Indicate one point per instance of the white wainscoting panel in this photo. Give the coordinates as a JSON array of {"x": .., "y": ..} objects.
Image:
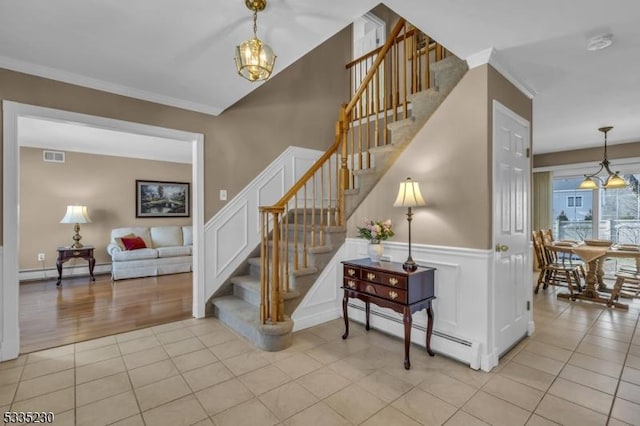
[
  {"x": 462, "y": 317},
  {"x": 233, "y": 233}
]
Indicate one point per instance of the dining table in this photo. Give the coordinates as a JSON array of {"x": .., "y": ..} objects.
[{"x": 594, "y": 256}]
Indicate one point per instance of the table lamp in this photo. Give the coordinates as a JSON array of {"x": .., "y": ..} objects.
[
  {"x": 409, "y": 196},
  {"x": 76, "y": 215}
]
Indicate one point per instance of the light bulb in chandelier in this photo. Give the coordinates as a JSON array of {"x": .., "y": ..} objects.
[{"x": 254, "y": 58}]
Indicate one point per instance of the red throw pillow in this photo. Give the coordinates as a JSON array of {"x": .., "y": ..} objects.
[{"x": 133, "y": 243}]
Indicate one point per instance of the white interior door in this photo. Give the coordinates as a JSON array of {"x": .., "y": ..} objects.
[{"x": 511, "y": 224}]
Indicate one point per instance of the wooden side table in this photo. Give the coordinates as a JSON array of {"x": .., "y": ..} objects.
[
  {"x": 66, "y": 253},
  {"x": 387, "y": 285}
]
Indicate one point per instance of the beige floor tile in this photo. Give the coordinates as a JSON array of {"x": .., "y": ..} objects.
[
  {"x": 626, "y": 411},
  {"x": 218, "y": 398},
  {"x": 587, "y": 362},
  {"x": 527, "y": 376},
  {"x": 135, "y": 334},
  {"x": 11, "y": 375},
  {"x": 329, "y": 331},
  {"x": 462, "y": 372},
  {"x": 351, "y": 368},
  {"x": 298, "y": 365},
  {"x": 95, "y": 343},
  {"x": 142, "y": 358},
  {"x": 620, "y": 335},
  {"x": 633, "y": 350},
  {"x": 318, "y": 414},
  {"x": 44, "y": 384},
  {"x": 205, "y": 422},
  {"x": 140, "y": 344},
  {"x": 96, "y": 355},
  {"x": 601, "y": 352},
  {"x": 7, "y": 392},
  {"x": 329, "y": 352},
  {"x": 536, "y": 420},
  {"x": 250, "y": 413},
  {"x": 460, "y": 418},
  {"x": 49, "y": 366},
  {"x": 208, "y": 375},
  {"x": 173, "y": 336},
  {"x": 632, "y": 361},
  {"x": 99, "y": 370},
  {"x": 495, "y": 410},
  {"x": 182, "y": 412},
  {"x": 616, "y": 422},
  {"x": 210, "y": 325},
  {"x": 287, "y": 400},
  {"x": 355, "y": 403},
  {"x": 245, "y": 362},
  {"x": 612, "y": 344},
  {"x": 161, "y": 392},
  {"x": 102, "y": 388},
  {"x": 107, "y": 411},
  {"x": 424, "y": 408},
  {"x": 589, "y": 378},
  {"x": 13, "y": 363},
  {"x": 629, "y": 391},
  {"x": 230, "y": 349},
  {"x": 447, "y": 388},
  {"x": 567, "y": 413},
  {"x": 582, "y": 395},
  {"x": 323, "y": 382},
  {"x": 56, "y": 402},
  {"x": 68, "y": 418},
  {"x": 170, "y": 326},
  {"x": 539, "y": 362},
  {"x": 264, "y": 379},
  {"x": 516, "y": 393},
  {"x": 181, "y": 347},
  {"x": 390, "y": 416},
  {"x": 386, "y": 387},
  {"x": 305, "y": 340},
  {"x": 549, "y": 351},
  {"x": 194, "y": 360},
  {"x": 217, "y": 337},
  {"x": 631, "y": 375},
  {"x": 130, "y": 421},
  {"x": 152, "y": 373},
  {"x": 50, "y": 353}
]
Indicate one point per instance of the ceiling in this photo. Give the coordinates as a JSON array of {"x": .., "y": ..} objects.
[{"x": 181, "y": 53}]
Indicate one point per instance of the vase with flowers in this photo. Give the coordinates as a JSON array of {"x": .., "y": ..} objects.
[{"x": 375, "y": 231}]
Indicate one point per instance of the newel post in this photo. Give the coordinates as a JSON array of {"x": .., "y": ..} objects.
[{"x": 342, "y": 130}]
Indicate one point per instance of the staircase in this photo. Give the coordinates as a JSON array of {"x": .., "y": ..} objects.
[{"x": 303, "y": 231}]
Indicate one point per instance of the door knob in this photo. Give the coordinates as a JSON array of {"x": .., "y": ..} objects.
[{"x": 501, "y": 247}]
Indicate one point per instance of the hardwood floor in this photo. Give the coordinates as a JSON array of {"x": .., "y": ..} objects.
[{"x": 80, "y": 310}]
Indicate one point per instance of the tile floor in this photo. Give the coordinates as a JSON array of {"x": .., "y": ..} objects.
[{"x": 581, "y": 367}]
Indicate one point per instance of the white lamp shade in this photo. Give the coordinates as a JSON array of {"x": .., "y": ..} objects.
[
  {"x": 409, "y": 195},
  {"x": 76, "y": 214}
]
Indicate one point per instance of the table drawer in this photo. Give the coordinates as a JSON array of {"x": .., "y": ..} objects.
[
  {"x": 351, "y": 272},
  {"x": 382, "y": 291},
  {"x": 69, "y": 254}
]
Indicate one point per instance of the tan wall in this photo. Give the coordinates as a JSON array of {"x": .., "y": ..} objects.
[
  {"x": 626, "y": 150},
  {"x": 105, "y": 184},
  {"x": 451, "y": 158},
  {"x": 299, "y": 106}
]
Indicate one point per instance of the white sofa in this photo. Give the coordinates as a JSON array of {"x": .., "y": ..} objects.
[{"x": 169, "y": 251}]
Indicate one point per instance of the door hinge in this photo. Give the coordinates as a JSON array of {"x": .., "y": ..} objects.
[
  {"x": 528, "y": 305},
  {"x": 528, "y": 152}
]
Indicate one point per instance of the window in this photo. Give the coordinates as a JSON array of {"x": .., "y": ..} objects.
[{"x": 574, "y": 201}]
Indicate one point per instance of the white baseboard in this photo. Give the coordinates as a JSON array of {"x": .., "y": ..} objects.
[{"x": 67, "y": 271}]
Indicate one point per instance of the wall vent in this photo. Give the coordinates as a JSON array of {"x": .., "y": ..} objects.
[{"x": 53, "y": 156}]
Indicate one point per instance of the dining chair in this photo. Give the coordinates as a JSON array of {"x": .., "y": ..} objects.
[
  {"x": 627, "y": 285},
  {"x": 566, "y": 259},
  {"x": 551, "y": 271}
]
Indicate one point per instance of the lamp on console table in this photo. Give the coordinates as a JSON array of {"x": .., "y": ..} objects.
[
  {"x": 409, "y": 196},
  {"x": 76, "y": 215}
]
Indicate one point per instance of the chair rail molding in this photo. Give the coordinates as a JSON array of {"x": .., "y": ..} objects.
[
  {"x": 234, "y": 232},
  {"x": 462, "y": 328}
]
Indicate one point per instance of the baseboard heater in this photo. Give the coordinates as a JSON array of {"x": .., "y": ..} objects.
[{"x": 416, "y": 326}]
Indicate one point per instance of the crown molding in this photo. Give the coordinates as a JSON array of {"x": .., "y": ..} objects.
[
  {"x": 105, "y": 86},
  {"x": 490, "y": 56}
]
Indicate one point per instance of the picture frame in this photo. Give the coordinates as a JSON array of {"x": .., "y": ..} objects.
[{"x": 162, "y": 199}]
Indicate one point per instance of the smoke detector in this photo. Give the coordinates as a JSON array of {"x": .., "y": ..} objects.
[{"x": 599, "y": 42}]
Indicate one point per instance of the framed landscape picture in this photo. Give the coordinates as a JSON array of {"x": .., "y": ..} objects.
[{"x": 162, "y": 199}]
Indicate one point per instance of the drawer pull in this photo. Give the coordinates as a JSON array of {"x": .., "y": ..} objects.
[
  {"x": 351, "y": 272},
  {"x": 393, "y": 295},
  {"x": 351, "y": 284},
  {"x": 76, "y": 253},
  {"x": 371, "y": 276},
  {"x": 393, "y": 281}
]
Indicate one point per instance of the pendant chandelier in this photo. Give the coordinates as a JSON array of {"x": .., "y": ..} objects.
[
  {"x": 613, "y": 180},
  {"x": 255, "y": 59}
]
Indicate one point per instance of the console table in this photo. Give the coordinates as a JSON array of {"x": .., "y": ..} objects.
[
  {"x": 66, "y": 253},
  {"x": 387, "y": 285}
]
